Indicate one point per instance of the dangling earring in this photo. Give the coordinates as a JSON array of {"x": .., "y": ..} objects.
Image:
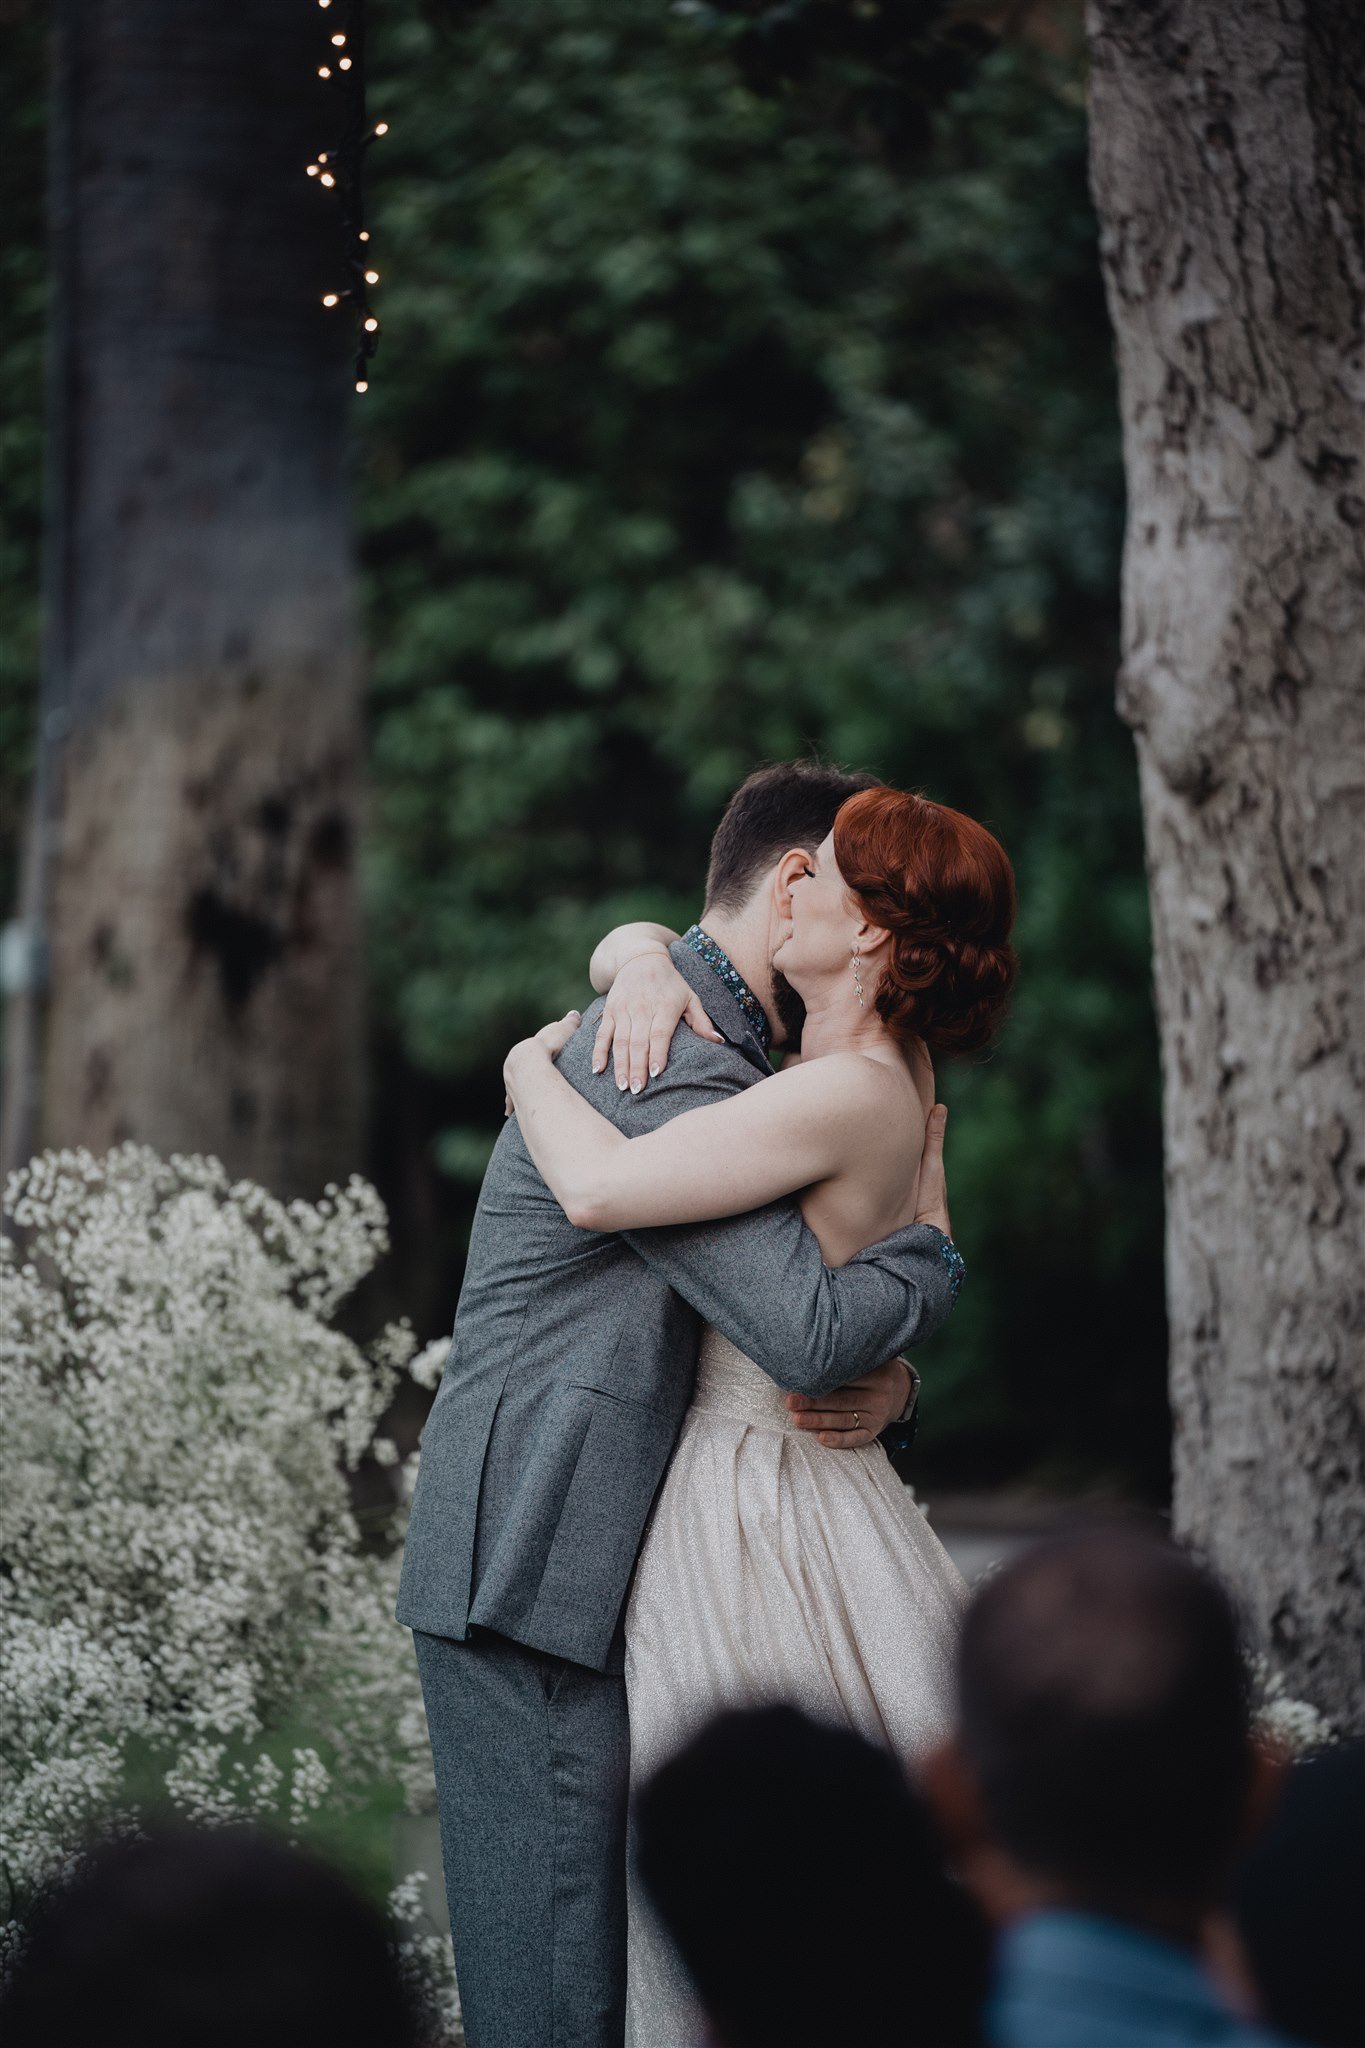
[{"x": 858, "y": 979}]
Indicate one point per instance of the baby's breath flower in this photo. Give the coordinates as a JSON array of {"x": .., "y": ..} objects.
[
  {"x": 1286, "y": 1723},
  {"x": 180, "y": 1567}
]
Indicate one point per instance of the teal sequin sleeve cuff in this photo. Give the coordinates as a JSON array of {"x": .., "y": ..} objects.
[{"x": 954, "y": 1261}]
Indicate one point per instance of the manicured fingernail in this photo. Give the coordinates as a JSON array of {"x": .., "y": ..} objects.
[
  {"x": 636, "y": 1086},
  {"x": 654, "y": 1073},
  {"x": 599, "y": 1066},
  {"x": 623, "y": 1085}
]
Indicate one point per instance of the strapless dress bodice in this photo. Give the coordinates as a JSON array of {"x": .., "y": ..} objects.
[{"x": 731, "y": 1385}]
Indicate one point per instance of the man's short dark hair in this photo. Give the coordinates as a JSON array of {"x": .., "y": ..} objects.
[
  {"x": 786, "y": 804},
  {"x": 769, "y": 1825},
  {"x": 1104, "y": 1712}
]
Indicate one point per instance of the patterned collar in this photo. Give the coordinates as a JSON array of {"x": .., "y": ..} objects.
[{"x": 716, "y": 958}]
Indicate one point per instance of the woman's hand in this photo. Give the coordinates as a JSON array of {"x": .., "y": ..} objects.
[
  {"x": 645, "y": 1005},
  {"x": 922, "y": 1074},
  {"x": 547, "y": 1044}
]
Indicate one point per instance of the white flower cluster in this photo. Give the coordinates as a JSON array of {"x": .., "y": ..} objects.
[
  {"x": 427, "y": 1964},
  {"x": 181, "y": 1573},
  {"x": 1287, "y": 1724}
]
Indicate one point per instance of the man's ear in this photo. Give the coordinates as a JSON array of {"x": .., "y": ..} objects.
[
  {"x": 948, "y": 1783},
  {"x": 792, "y": 865},
  {"x": 1265, "y": 1783},
  {"x": 950, "y": 1787}
]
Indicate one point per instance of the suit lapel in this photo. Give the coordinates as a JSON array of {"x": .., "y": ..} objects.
[{"x": 719, "y": 1005}]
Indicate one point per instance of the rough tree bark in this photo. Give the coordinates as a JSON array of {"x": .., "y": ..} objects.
[
  {"x": 202, "y": 693},
  {"x": 1228, "y": 166}
]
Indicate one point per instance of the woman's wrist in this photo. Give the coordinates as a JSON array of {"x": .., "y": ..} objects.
[
  {"x": 637, "y": 950},
  {"x": 522, "y": 1061},
  {"x": 625, "y": 942}
]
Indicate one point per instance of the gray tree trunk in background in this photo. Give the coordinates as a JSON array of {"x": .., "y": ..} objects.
[
  {"x": 201, "y": 713},
  {"x": 1228, "y": 165}
]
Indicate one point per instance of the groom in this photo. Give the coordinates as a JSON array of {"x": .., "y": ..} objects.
[{"x": 571, "y": 1365}]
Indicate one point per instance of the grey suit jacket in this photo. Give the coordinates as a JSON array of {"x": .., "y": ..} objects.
[{"x": 574, "y": 1354}]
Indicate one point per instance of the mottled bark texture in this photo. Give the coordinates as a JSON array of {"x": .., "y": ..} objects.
[
  {"x": 204, "y": 937},
  {"x": 1228, "y": 164}
]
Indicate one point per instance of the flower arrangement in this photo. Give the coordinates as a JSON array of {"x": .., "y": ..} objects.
[{"x": 181, "y": 1570}]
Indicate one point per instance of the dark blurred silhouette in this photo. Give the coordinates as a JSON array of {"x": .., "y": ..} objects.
[
  {"x": 206, "y": 1939},
  {"x": 1101, "y": 1783},
  {"x": 802, "y": 1882},
  {"x": 1298, "y": 1902}
]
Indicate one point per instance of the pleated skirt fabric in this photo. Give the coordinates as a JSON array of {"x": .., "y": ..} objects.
[{"x": 775, "y": 1568}]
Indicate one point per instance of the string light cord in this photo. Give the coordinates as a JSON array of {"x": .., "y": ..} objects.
[{"x": 342, "y": 170}]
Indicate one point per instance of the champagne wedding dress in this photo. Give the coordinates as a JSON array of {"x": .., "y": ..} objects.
[{"x": 775, "y": 1568}]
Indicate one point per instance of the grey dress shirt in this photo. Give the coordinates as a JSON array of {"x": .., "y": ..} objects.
[{"x": 574, "y": 1354}]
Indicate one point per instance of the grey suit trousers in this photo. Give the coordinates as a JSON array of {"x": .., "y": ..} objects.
[{"x": 532, "y": 1759}]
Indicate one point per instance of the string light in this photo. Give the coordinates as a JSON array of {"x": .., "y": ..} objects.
[{"x": 340, "y": 169}]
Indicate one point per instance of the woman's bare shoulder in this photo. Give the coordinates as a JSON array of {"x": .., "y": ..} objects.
[{"x": 852, "y": 1083}]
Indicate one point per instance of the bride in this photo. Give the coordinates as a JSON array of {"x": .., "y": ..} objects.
[{"x": 773, "y": 1567}]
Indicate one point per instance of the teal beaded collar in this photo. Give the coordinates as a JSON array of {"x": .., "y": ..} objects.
[{"x": 716, "y": 958}]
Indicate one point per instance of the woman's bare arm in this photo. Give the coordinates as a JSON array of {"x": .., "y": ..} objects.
[
  {"x": 721, "y": 1160},
  {"x": 647, "y": 999},
  {"x": 626, "y": 942}
]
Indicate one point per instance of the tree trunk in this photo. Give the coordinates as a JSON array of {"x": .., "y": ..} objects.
[
  {"x": 202, "y": 688},
  {"x": 1228, "y": 164}
]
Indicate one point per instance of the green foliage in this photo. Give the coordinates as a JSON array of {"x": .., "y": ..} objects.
[{"x": 747, "y": 388}]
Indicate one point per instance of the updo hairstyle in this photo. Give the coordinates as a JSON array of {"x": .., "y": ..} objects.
[{"x": 943, "y": 887}]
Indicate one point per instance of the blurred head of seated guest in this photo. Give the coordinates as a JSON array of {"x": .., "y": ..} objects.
[
  {"x": 802, "y": 1883},
  {"x": 1298, "y": 1903},
  {"x": 1100, "y": 1786},
  {"x": 205, "y": 1939}
]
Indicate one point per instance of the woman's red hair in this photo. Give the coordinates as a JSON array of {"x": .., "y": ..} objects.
[{"x": 942, "y": 885}]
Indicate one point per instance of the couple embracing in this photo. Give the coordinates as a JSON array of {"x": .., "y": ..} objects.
[{"x": 655, "y": 1481}]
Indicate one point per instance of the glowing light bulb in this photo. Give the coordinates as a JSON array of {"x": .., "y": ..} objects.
[
  {"x": 371, "y": 277},
  {"x": 338, "y": 40},
  {"x": 327, "y": 178},
  {"x": 361, "y": 384},
  {"x": 345, "y": 64},
  {"x": 381, "y": 127},
  {"x": 324, "y": 3},
  {"x": 324, "y": 71},
  {"x": 312, "y": 170},
  {"x": 329, "y": 298},
  {"x": 371, "y": 325}
]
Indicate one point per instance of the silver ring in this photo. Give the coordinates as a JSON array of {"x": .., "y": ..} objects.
[{"x": 856, "y": 1413}]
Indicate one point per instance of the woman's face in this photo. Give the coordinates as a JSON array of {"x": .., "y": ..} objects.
[{"x": 824, "y": 921}]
